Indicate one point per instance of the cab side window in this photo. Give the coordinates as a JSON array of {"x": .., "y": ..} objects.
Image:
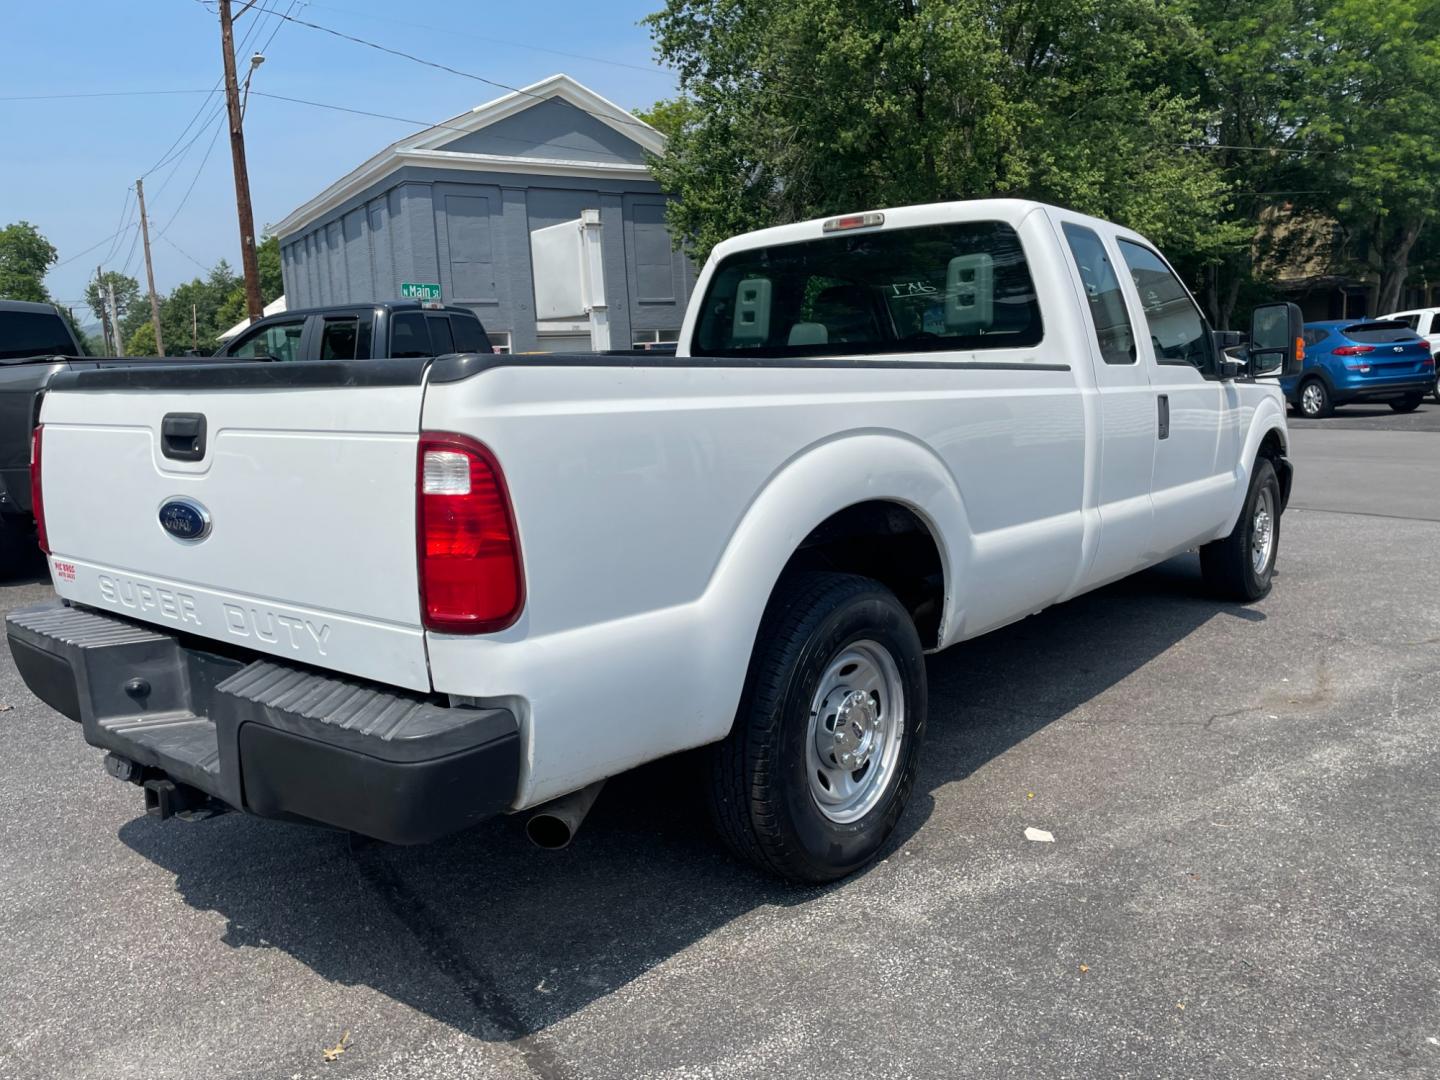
[
  {"x": 1102, "y": 291},
  {"x": 278, "y": 341},
  {"x": 1177, "y": 330},
  {"x": 345, "y": 338},
  {"x": 409, "y": 335}
]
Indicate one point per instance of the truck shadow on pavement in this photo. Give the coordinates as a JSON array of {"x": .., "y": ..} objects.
[{"x": 500, "y": 940}]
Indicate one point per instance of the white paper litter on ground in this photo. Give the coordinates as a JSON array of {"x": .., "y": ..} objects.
[{"x": 1039, "y": 835}]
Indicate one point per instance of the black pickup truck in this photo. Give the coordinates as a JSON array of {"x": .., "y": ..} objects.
[{"x": 36, "y": 344}]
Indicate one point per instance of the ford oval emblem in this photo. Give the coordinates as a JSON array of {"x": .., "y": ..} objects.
[{"x": 185, "y": 519}]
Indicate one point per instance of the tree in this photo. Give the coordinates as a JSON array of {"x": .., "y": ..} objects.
[
  {"x": 25, "y": 258},
  {"x": 808, "y": 107},
  {"x": 127, "y": 296},
  {"x": 141, "y": 341},
  {"x": 1375, "y": 108},
  {"x": 272, "y": 285},
  {"x": 669, "y": 115}
]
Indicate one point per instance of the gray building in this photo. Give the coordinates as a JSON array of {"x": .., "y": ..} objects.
[{"x": 457, "y": 204}]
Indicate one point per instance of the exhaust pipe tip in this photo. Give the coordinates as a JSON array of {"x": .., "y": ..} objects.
[
  {"x": 549, "y": 831},
  {"x": 555, "y": 824}
]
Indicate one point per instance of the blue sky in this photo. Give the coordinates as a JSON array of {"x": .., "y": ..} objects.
[{"x": 65, "y": 163}]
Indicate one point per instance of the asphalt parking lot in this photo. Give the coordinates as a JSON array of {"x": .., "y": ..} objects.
[{"x": 1245, "y": 878}]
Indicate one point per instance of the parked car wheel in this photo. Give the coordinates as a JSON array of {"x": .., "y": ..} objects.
[
  {"x": 1435, "y": 390},
  {"x": 1315, "y": 403},
  {"x": 1408, "y": 404},
  {"x": 1241, "y": 566},
  {"x": 820, "y": 763}
]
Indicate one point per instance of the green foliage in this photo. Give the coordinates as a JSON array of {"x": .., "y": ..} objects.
[
  {"x": 1196, "y": 122},
  {"x": 140, "y": 341},
  {"x": 809, "y": 107},
  {"x": 25, "y": 258},
  {"x": 127, "y": 294},
  {"x": 272, "y": 286},
  {"x": 670, "y": 115}
]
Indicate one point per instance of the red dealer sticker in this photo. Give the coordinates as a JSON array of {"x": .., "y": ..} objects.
[{"x": 65, "y": 571}]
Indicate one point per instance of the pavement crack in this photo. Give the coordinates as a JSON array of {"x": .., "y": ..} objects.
[{"x": 448, "y": 956}]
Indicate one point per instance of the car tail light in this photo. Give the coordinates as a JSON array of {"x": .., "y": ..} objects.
[
  {"x": 37, "y": 497},
  {"x": 1352, "y": 350},
  {"x": 471, "y": 580},
  {"x": 1361, "y": 367}
]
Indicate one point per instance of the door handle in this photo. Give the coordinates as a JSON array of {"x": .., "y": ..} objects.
[
  {"x": 1164, "y": 404},
  {"x": 182, "y": 436}
]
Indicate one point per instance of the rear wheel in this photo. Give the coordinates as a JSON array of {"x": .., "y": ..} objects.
[
  {"x": 1435, "y": 390},
  {"x": 1408, "y": 404},
  {"x": 19, "y": 553},
  {"x": 821, "y": 761},
  {"x": 1315, "y": 402},
  {"x": 1241, "y": 566}
]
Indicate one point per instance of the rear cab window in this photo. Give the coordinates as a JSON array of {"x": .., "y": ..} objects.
[
  {"x": 962, "y": 286},
  {"x": 33, "y": 333}
]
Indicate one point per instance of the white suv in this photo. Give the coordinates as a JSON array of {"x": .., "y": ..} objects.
[{"x": 1426, "y": 323}]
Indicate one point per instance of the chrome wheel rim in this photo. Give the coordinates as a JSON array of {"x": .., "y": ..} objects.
[
  {"x": 857, "y": 723},
  {"x": 1262, "y": 532},
  {"x": 1312, "y": 398}
]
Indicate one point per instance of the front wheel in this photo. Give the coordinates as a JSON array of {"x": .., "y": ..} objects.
[
  {"x": 1407, "y": 404},
  {"x": 1435, "y": 390},
  {"x": 817, "y": 770},
  {"x": 1240, "y": 566}
]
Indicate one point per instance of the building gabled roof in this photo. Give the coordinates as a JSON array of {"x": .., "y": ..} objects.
[{"x": 427, "y": 147}]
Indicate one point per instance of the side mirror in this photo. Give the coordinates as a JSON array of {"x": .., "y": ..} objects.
[{"x": 1277, "y": 340}]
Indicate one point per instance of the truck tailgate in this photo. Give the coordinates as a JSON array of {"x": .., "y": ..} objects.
[{"x": 310, "y": 498}]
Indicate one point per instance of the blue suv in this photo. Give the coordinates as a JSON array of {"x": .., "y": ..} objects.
[{"x": 1348, "y": 360}]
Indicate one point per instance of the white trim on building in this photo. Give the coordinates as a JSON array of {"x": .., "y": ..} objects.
[{"x": 421, "y": 148}]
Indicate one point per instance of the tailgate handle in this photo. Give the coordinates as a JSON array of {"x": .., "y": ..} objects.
[{"x": 182, "y": 436}]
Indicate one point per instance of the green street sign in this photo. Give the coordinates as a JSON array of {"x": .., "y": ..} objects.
[{"x": 413, "y": 290}]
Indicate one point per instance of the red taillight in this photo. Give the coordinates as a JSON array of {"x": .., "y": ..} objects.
[
  {"x": 1352, "y": 350},
  {"x": 37, "y": 497},
  {"x": 471, "y": 580}
]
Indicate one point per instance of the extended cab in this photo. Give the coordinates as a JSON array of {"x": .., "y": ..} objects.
[
  {"x": 399, "y": 596},
  {"x": 385, "y": 329}
]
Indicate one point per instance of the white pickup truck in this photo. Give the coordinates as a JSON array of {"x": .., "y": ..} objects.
[{"x": 399, "y": 596}]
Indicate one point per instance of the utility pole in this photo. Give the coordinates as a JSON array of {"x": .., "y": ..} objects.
[
  {"x": 149, "y": 270},
  {"x": 104, "y": 310},
  {"x": 248, "y": 261},
  {"x": 114, "y": 323},
  {"x": 195, "y": 328}
]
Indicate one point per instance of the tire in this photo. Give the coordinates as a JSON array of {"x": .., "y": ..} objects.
[
  {"x": 762, "y": 797},
  {"x": 19, "y": 550},
  {"x": 1229, "y": 565},
  {"x": 1435, "y": 390},
  {"x": 1313, "y": 400},
  {"x": 1407, "y": 404}
]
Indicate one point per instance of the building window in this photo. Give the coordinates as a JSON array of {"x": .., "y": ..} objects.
[
  {"x": 499, "y": 341},
  {"x": 646, "y": 339}
]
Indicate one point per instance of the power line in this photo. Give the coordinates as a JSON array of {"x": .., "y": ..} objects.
[
  {"x": 451, "y": 32},
  {"x": 194, "y": 180},
  {"x": 98, "y": 94},
  {"x": 82, "y": 254},
  {"x": 187, "y": 255},
  {"x": 440, "y": 126},
  {"x": 634, "y": 122}
]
